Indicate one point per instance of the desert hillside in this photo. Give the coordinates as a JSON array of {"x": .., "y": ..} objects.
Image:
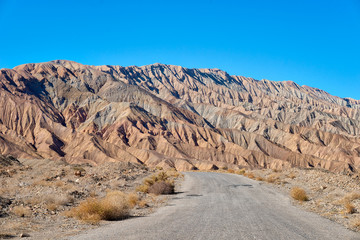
[{"x": 170, "y": 116}]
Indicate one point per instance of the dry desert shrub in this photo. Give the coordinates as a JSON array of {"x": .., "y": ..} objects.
[
  {"x": 89, "y": 211},
  {"x": 21, "y": 211},
  {"x": 54, "y": 202},
  {"x": 352, "y": 196},
  {"x": 172, "y": 172},
  {"x": 298, "y": 194},
  {"x": 133, "y": 199},
  {"x": 115, "y": 205},
  {"x": 291, "y": 175},
  {"x": 259, "y": 179},
  {"x": 52, "y": 206},
  {"x": 161, "y": 176},
  {"x": 161, "y": 187},
  {"x": 60, "y": 200},
  {"x": 157, "y": 184},
  {"x": 93, "y": 194},
  {"x": 231, "y": 170},
  {"x": 59, "y": 183},
  {"x": 143, "y": 188},
  {"x": 241, "y": 171},
  {"x": 272, "y": 178},
  {"x": 249, "y": 175},
  {"x": 356, "y": 223},
  {"x": 346, "y": 200},
  {"x": 349, "y": 208},
  {"x": 142, "y": 203}
]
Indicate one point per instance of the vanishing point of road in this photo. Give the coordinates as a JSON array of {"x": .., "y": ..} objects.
[{"x": 224, "y": 206}]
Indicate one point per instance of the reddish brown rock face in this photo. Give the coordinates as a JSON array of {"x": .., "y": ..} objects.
[{"x": 170, "y": 116}]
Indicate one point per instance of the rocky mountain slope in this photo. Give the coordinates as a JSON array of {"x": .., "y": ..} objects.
[{"x": 170, "y": 116}]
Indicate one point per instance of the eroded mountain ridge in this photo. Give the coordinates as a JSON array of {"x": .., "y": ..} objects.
[{"x": 170, "y": 116}]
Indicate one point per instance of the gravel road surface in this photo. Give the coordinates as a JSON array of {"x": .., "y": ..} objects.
[{"x": 224, "y": 206}]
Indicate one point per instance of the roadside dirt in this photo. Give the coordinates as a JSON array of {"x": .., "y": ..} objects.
[
  {"x": 331, "y": 195},
  {"x": 35, "y": 195}
]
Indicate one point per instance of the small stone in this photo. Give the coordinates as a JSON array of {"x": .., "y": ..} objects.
[{"x": 24, "y": 235}]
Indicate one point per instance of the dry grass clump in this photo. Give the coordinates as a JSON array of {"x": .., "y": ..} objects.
[
  {"x": 299, "y": 194},
  {"x": 356, "y": 223},
  {"x": 349, "y": 208},
  {"x": 115, "y": 205},
  {"x": 272, "y": 178},
  {"x": 133, "y": 199},
  {"x": 93, "y": 194},
  {"x": 60, "y": 200},
  {"x": 21, "y": 211},
  {"x": 157, "y": 184},
  {"x": 59, "y": 183},
  {"x": 249, "y": 175},
  {"x": 259, "y": 179},
  {"x": 231, "y": 170},
  {"x": 143, "y": 188},
  {"x": 291, "y": 175},
  {"x": 241, "y": 171},
  {"x": 346, "y": 201},
  {"x": 52, "y": 206},
  {"x": 142, "y": 203},
  {"x": 352, "y": 196},
  {"x": 53, "y": 202},
  {"x": 89, "y": 211},
  {"x": 172, "y": 172}
]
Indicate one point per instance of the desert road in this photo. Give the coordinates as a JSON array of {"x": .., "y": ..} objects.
[{"x": 224, "y": 206}]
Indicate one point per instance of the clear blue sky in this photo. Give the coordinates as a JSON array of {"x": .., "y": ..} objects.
[{"x": 311, "y": 42}]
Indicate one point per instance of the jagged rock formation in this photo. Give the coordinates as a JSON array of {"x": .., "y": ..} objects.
[{"x": 171, "y": 116}]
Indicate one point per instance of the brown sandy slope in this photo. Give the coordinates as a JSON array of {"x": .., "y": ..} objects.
[{"x": 170, "y": 116}]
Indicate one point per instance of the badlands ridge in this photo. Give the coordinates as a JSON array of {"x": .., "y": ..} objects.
[{"x": 170, "y": 116}]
